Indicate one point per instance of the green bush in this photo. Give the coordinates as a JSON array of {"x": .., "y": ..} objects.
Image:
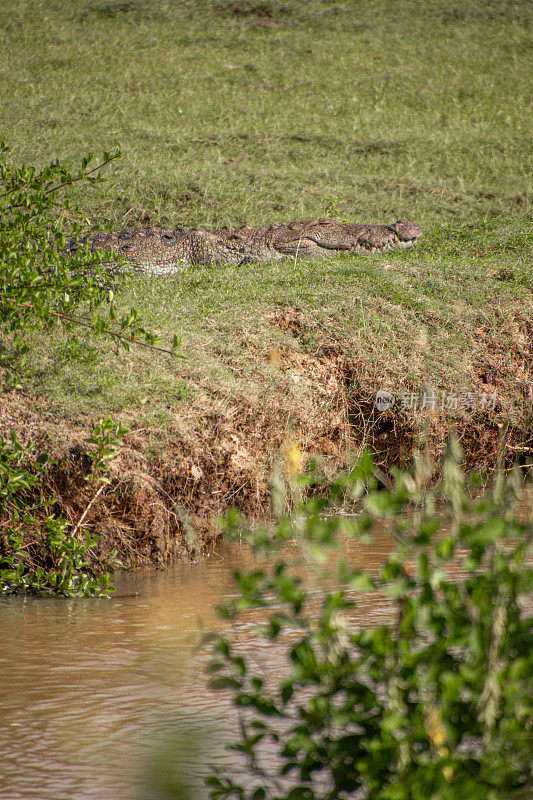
[
  {"x": 43, "y": 285},
  {"x": 39, "y": 551},
  {"x": 432, "y": 705}
]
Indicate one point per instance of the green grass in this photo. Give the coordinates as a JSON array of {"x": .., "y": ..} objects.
[
  {"x": 232, "y": 112},
  {"x": 378, "y": 308},
  {"x": 398, "y": 109}
]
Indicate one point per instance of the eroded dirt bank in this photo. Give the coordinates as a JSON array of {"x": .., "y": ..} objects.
[{"x": 167, "y": 485}]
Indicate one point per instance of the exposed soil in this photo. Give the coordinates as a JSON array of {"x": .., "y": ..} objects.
[{"x": 167, "y": 486}]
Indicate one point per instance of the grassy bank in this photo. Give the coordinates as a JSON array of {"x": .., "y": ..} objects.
[{"x": 231, "y": 112}]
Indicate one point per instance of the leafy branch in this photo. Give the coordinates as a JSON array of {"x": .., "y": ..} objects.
[
  {"x": 69, "y": 180},
  {"x": 98, "y": 326},
  {"x": 42, "y": 283}
]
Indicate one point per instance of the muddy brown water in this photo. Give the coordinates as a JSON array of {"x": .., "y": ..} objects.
[{"x": 104, "y": 700}]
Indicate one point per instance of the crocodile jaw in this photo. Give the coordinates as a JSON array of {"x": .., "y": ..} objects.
[{"x": 367, "y": 249}]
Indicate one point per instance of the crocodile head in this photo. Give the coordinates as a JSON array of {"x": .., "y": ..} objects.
[
  {"x": 315, "y": 237},
  {"x": 405, "y": 233},
  {"x": 381, "y": 238}
]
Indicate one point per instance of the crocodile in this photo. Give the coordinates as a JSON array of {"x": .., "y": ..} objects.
[{"x": 164, "y": 250}]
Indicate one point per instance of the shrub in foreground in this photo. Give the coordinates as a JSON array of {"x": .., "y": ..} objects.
[{"x": 433, "y": 704}]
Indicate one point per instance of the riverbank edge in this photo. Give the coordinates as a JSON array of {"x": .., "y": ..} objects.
[{"x": 167, "y": 486}]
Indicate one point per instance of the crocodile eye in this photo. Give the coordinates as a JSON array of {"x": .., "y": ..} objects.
[
  {"x": 166, "y": 238},
  {"x": 125, "y": 234},
  {"x": 126, "y": 248}
]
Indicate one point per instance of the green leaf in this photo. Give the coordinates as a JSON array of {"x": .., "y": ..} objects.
[
  {"x": 224, "y": 682},
  {"x": 361, "y": 581},
  {"x": 445, "y": 548}
]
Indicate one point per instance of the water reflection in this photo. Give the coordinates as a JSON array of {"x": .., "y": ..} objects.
[{"x": 91, "y": 690}]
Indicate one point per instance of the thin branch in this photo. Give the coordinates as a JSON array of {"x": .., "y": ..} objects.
[
  {"x": 81, "y": 321},
  {"x": 60, "y": 185},
  {"x": 88, "y": 508}
]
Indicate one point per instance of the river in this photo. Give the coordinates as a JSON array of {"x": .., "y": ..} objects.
[{"x": 104, "y": 699}]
